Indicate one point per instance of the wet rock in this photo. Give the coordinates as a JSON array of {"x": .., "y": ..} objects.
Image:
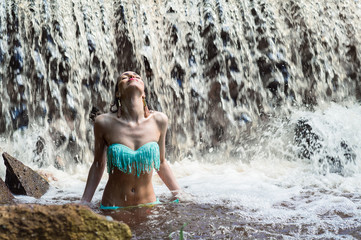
[
  {"x": 2, "y": 53},
  {"x": 58, "y": 137},
  {"x": 39, "y": 152},
  {"x": 2, "y": 120},
  {"x": 174, "y": 34},
  {"x": 225, "y": 36},
  {"x": 273, "y": 86},
  {"x": 17, "y": 59},
  {"x": 57, "y": 222},
  {"x": 148, "y": 69},
  {"x": 171, "y": 10},
  {"x": 91, "y": 43},
  {"x": 306, "y": 139},
  {"x": 59, "y": 163},
  {"x": 19, "y": 116},
  {"x": 311, "y": 144},
  {"x": 5, "y": 195},
  {"x": 349, "y": 154},
  {"x": 178, "y": 74},
  {"x": 22, "y": 180},
  {"x": 40, "y": 145}
]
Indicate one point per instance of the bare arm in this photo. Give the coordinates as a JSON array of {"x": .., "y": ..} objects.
[
  {"x": 165, "y": 173},
  {"x": 97, "y": 168}
]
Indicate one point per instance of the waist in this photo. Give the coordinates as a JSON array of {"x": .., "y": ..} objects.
[
  {"x": 131, "y": 206},
  {"x": 139, "y": 205},
  {"x": 124, "y": 189}
]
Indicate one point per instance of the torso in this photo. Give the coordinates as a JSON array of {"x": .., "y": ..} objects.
[{"x": 124, "y": 189}]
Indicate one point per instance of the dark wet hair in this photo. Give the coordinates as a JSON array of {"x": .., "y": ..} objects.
[{"x": 116, "y": 101}]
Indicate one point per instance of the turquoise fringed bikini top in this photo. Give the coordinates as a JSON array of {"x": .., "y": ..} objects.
[{"x": 143, "y": 160}]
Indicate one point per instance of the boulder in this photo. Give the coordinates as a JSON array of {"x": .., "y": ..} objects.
[
  {"x": 5, "y": 195},
  {"x": 311, "y": 144},
  {"x": 30, "y": 221},
  {"x": 306, "y": 139},
  {"x": 22, "y": 180}
]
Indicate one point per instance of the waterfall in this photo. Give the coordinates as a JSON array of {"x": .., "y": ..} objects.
[{"x": 218, "y": 69}]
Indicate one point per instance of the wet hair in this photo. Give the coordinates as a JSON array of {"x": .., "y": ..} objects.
[
  {"x": 94, "y": 113},
  {"x": 115, "y": 105},
  {"x": 115, "y": 100}
]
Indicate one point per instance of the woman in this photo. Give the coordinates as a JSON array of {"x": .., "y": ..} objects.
[{"x": 131, "y": 140}]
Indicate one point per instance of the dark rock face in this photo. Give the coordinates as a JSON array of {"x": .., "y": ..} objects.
[
  {"x": 57, "y": 222},
  {"x": 306, "y": 139},
  {"x": 311, "y": 144},
  {"x": 5, "y": 195},
  {"x": 22, "y": 180}
]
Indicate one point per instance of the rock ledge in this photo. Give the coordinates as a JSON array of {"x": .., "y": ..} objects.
[{"x": 30, "y": 221}]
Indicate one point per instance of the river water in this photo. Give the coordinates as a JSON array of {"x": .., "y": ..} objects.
[
  {"x": 236, "y": 79},
  {"x": 264, "y": 190}
]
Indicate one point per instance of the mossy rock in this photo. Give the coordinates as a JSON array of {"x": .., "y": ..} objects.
[{"x": 30, "y": 221}]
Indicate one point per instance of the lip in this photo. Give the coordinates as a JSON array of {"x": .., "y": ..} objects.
[{"x": 132, "y": 79}]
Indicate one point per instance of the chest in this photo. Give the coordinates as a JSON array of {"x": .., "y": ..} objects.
[{"x": 133, "y": 135}]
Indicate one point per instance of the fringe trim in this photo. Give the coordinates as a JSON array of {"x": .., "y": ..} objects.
[{"x": 143, "y": 160}]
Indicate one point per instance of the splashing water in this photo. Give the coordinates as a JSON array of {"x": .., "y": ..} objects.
[
  {"x": 264, "y": 190},
  {"x": 233, "y": 78}
]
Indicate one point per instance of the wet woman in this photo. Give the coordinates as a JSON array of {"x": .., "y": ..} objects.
[{"x": 130, "y": 140}]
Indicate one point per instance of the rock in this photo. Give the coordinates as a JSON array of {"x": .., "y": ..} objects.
[
  {"x": 29, "y": 221},
  {"x": 306, "y": 139},
  {"x": 312, "y": 145},
  {"x": 40, "y": 145},
  {"x": 5, "y": 195},
  {"x": 22, "y": 180}
]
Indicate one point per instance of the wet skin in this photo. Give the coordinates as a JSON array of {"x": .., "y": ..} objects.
[
  {"x": 125, "y": 189},
  {"x": 132, "y": 129}
]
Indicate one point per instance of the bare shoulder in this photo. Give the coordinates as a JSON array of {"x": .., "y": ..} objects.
[
  {"x": 160, "y": 118},
  {"x": 102, "y": 120}
]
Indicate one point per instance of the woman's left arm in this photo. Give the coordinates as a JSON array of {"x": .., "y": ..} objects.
[{"x": 165, "y": 172}]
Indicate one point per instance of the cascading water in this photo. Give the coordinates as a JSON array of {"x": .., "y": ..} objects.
[{"x": 230, "y": 75}]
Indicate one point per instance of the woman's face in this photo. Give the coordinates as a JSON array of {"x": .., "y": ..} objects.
[{"x": 129, "y": 80}]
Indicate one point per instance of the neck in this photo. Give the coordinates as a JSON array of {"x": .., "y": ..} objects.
[{"x": 132, "y": 108}]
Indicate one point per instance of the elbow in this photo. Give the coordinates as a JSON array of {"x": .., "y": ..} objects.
[
  {"x": 162, "y": 164},
  {"x": 99, "y": 165}
]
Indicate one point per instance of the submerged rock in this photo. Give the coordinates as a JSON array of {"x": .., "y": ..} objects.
[
  {"x": 57, "y": 222},
  {"x": 22, "y": 180},
  {"x": 5, "y": 195}
]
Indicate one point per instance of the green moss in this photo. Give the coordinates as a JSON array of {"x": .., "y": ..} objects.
[{"x": 57, "y": 222}]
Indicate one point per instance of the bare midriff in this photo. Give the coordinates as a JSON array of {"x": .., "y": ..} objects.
[{"x": 124, "y": 189}]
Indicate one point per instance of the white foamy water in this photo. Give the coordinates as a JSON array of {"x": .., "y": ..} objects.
[{"x": 266, "y": 182}]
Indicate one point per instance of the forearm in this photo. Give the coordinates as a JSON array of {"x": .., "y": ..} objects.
[
  {"x": 167, "y": 176},
  {"x": 94, "y": 176}
]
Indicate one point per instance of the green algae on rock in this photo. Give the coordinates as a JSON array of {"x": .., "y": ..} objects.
[{"x": 30, "y": 221}]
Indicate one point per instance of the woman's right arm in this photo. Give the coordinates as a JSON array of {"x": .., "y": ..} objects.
[{"x": 97, "y": 168}]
